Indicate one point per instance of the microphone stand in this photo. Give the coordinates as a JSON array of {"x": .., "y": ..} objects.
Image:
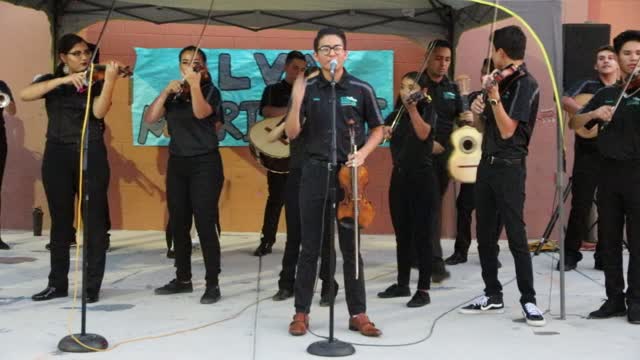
[
  {"x": 84, "y": 342},
  {"x": 332, "y": 347}
]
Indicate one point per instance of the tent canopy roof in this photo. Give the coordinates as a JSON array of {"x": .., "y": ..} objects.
[{"x": 420, "y": 20}]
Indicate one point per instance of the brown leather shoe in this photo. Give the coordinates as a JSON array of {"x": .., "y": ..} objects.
[
  {"x": 299, "y": 325},
  {"x": 362, "y": 324}
]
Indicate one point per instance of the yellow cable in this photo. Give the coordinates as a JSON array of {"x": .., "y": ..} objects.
[{"x": 546, "y": 60}]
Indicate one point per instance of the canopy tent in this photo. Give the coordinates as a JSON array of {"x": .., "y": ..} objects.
[{"x": 421, "y": 20}]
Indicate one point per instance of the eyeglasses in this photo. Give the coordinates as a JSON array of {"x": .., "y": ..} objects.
[
  {"x": 326, "y": 49},
  {"x": 79, "y": 52}
]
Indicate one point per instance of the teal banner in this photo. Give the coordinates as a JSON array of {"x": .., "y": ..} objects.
[{"x": 241, "y": 76}]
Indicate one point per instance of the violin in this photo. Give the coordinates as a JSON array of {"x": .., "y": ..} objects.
[
  {"x": 355, "y": 204},
  {"x": 185, "y": 91},
  {"x": 99, "y": 71},
  {"x": 498, "y": 76}
]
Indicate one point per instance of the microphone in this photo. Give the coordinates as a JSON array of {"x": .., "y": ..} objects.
[{"x": 332, "y": 66}]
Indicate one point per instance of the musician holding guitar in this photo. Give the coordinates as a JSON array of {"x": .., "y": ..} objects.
[
  {"x": 586, "y": 164},
  {"x": 508, "y": 119},
  {"x": 274, "y": 103}
]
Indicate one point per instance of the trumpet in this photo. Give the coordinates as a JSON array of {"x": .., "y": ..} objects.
[{"x": 5, "y": 100}]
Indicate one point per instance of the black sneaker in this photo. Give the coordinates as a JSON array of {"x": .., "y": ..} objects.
[
  {"x": 484, "y": 305},
  {"x": 419, "y": 299},
  {"x": 4, "y": 246},
  {"x": 533, "y": 315},
  {"x": 175, "y": 287},
  {"x": 93, "y": 297},
  {"x": 282, "y": 294},
  {"x": 598, "y": 264},
  {"x": 395, "y": 290},
  {"x": 211, "y": 295},
  {"x": 609, "y": 309},
  {"x": 171, "y": 254},
  {"x": 456, "y": 258},
  {"x": 633, "y": 313},
  {"x": 263, "y": 249},
  {"x": 325, "y": 299}
]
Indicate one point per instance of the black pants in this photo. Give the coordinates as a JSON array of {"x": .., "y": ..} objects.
[
  {"x": 441, "y": 184},
  {"x": 619, "y": 199},
  {"x": 60, "y": 170},
  {"x": 294, "y": 235},
  {"x": 277, "y": 185},
  {"x": 465, "y": 204},
  {"x": 500, "y": 189},
  {"x": 313, "y": 199},
  {"x": 410, "y": 194},
  {"x": 193, "y": 189},
  {"x": 586, "y": 169},
  {"x": 3, "y": 154}
]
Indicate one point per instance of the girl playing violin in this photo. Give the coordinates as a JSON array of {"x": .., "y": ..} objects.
[
  {"x": 65, "y": 94},
  {"x": 412, "y": 189},
  {"x": 193, "y": 109}
]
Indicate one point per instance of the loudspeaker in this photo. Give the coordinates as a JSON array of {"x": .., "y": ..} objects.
[{"x": 581, "y": 42}]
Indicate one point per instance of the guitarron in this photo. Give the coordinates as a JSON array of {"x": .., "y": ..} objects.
[{"x": 271, "y": 150}]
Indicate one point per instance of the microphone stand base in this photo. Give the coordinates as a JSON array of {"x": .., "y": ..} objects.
[
  {"x": 331, "y": 348},
  {"x": 95, "y": 341}
]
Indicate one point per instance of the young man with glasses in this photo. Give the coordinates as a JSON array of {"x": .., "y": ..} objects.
[{"x": 311, "y": 101}]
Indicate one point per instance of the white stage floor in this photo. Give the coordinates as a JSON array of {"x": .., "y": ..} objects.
[{"x": 235, "y": 328}]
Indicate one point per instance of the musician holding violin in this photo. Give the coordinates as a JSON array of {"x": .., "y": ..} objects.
[
  {"x": 586, "y": 163},
  {"x": 193, "y": 109},
  {"x": 310, "y": 117},
  {"x": 65, "y": 94},
  {"x": 507, "y": 114},
  {"x": 616, "y": 110},
  {"x": 412, "y": 189}
]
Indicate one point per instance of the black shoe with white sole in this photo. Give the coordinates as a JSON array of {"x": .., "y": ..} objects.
[
  {"x": 533, "y": 315},
  {"x": 484, "y": 305}
]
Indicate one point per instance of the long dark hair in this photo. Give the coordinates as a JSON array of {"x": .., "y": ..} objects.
[{"x": 65, "y": 44}]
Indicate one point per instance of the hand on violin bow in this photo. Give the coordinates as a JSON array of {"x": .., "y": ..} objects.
[
  {"x": 174, "y": 87},
  {"x": 477, "y": 106},
  {"x": 75, "y": 79},
  {"x": 386, "y": 132},
  {"x": 356, "y": 159}
]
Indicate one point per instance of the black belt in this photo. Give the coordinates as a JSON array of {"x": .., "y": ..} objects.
[{"x": 492, "y": 160}]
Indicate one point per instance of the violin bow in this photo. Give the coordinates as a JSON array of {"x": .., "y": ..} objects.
[{"x": 636, "y": 71}]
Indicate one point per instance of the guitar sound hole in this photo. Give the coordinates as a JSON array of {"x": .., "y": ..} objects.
[{"x": 468, "y": 145}]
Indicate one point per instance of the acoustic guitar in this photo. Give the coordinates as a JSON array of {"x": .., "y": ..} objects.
[
  {"x": 467, "y": 141},
  {"x": 269, "y": 144},
  {"x": 583, "y": 132},
  {"x": 465, "y": 157}
]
